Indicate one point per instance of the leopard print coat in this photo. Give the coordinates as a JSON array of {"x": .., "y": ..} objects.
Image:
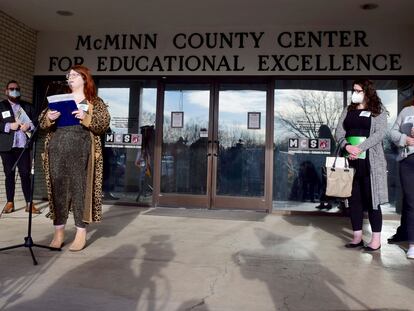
[{"x": 97, "y": 122}]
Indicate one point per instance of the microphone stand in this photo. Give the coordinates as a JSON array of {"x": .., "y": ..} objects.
[{"x": 28, "y": 241}]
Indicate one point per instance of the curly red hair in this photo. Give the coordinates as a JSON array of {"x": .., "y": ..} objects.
[{"x": 89, "y": 87}]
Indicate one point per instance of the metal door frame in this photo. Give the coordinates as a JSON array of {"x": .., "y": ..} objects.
[{"x": 211, "y": 200}]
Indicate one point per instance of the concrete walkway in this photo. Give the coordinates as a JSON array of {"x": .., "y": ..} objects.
[{"x": 176, "y": 259}]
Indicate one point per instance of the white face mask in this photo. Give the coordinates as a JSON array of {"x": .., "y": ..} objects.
[
  {"x": 14, "y": 93},
  {"x": 357, "y": 98}
]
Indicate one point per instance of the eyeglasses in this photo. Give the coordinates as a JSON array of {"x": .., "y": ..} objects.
[
  {"x": 358, "y": 91},
  {"x": 14, "y": 89},
  {"x": 72, "y": 75}
]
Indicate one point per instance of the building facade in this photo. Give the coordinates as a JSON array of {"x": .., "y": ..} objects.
[
  {"x": 17, "y": 62},
  {"x": 228, "y": 117}
]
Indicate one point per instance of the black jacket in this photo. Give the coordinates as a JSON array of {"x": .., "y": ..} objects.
[{"x": 6, "y": 139}]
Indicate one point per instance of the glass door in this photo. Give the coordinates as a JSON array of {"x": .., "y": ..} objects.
[
  {"x": 185, "y": 144},
  {"x": 239, "y": 147},
  {"x": 213, "y": 146}
]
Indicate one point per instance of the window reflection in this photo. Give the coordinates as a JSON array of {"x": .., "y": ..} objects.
[
  {"x": 117, "y": 100},
  {"x": 241, "y": 150},
  {"x": 184, "y": 149},
  {"x": 304, "y": 110},
  {"x": 128, "y": 171}
]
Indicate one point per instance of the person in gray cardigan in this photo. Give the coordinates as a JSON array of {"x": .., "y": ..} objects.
[
  {"x": 402, "y": 135},
  {"x": 360, "y": 130}
]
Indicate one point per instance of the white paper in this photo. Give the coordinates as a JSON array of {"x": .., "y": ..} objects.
[
  {"x": 177, "y": 119},
  {"x": 60, "y": 98},
  {"x": 22, "y": 116},
  {"x": 254, "y": 120}
]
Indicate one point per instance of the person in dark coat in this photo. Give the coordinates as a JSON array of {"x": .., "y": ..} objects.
[{"x": 16, "y": 124}]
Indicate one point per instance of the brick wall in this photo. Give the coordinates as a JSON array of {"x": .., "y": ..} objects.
[{"x": 17, "y": 62}]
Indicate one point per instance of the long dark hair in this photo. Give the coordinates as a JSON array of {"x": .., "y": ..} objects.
[{"x": 372, "y": 100}]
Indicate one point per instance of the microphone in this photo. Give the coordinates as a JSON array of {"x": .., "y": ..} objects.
[{"x": 65, "y": 83}]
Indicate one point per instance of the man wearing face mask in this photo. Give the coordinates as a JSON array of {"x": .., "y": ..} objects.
[{"x": 15, "y": 126}]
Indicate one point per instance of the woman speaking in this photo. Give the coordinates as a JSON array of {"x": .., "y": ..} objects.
[{"x": 73, "y": 159}]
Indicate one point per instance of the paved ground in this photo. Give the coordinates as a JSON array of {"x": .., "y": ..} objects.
[{"x": 175, "y": 259}]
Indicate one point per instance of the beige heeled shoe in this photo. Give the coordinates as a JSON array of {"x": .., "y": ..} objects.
[
  {"x": 58, "y": 238},
  {"x": 8, "y": 208},
  {"x": 79, "y": 242}
]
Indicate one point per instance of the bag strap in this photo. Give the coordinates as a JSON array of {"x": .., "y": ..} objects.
[{"x": 338, "y": 148}]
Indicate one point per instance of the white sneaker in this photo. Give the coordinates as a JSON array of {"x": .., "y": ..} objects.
[{"x": 410, "y": 253}]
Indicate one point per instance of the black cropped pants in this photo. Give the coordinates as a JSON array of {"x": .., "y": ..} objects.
[
  {"x": 9, "y": 158},
  {"x": 360, "y": 200},
  {"x": 407, "y": 178},
  {"x": 69, "y": 151}
]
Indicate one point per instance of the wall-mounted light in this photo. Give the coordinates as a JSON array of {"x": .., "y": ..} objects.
[
  {"x": 369, "y": 6},
  {"x": 64, "y": 13}
]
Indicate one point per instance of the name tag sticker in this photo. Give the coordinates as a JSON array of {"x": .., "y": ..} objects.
[
  {"x": 365, "y": 114},
  {"x": 6, "y": 114},
  {"x": 83, "y": 107},
  {"x": 409, "y": 119}
]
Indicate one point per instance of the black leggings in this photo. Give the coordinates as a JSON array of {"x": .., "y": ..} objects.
[
  {"x": 407, "y": 177},
  {"x": 361, "y": 197}
]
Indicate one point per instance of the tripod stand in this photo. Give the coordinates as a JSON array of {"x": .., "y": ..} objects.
[{"x": 28, "y": 241}]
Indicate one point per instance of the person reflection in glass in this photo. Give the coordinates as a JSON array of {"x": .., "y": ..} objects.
[
  {"x": 143, "y": 161},
  {"x": 198, "y": 166},
  {"x": 181, "y": 165},
  {"x": 308, "y": 181},
  {"x": 109, "y": 169},
  {"x": 325, "y": 201}
]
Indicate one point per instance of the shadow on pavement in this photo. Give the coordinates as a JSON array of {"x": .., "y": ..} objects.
[{"x": 124, "y": 279}]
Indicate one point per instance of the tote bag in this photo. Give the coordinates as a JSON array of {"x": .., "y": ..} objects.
[{"x": 339, "y": 176}]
